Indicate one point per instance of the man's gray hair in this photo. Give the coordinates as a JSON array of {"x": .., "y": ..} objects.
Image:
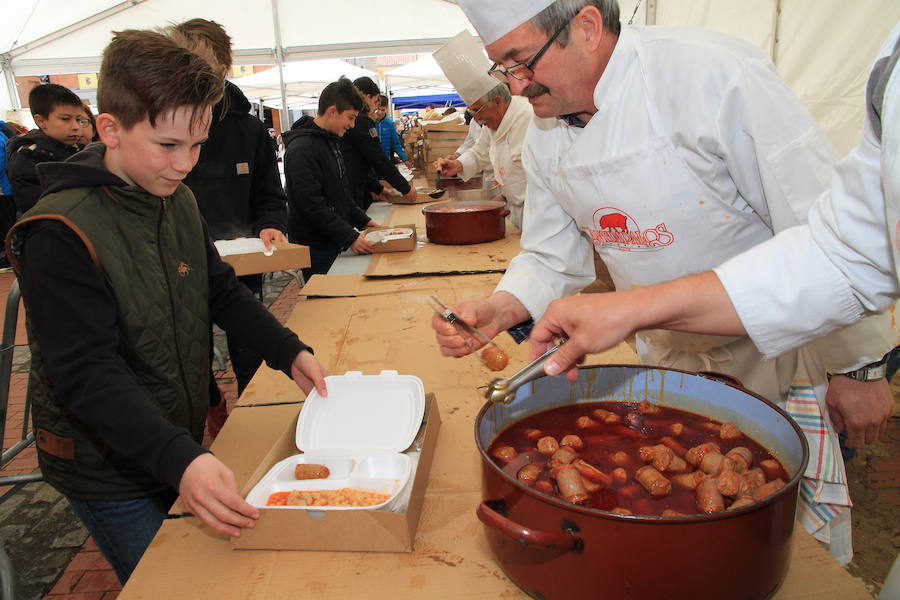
[
  {"x": 498, "y": 91},
  {"x": 562, "y": 11}
]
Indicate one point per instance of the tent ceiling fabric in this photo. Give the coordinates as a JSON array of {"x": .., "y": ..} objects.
[
  {"x": 342, "y": 30},
  {"x": 303, "y": 78}
]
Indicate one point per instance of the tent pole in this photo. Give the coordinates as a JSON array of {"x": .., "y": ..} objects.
[
  {"x": 9, "y": 76},
  {"x": 776, "y": 33},
  {"x": 279, "y": 59}
]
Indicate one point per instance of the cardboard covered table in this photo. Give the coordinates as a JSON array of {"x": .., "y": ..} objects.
[{"x": 387, "y": 329}]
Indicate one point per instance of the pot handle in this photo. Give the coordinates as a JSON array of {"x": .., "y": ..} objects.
[
  {"x": 523, "y": 535},
  {"x": 723, "y": 378}
]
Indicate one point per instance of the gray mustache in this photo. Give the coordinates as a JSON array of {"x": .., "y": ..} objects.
[{"x": 535, "y": 89}]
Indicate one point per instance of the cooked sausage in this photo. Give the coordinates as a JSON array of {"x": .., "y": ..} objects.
[
  {"x": 621, "y": 458},
  {"x": 585, "y": 423},
  {"x": 545, "y": 486},
  {"x": 570, "y": 484},
  {"x": 742, "y": 457},
  {"x": 676, "y": 428},
  {"x": 495, "y": 358},
  {"x": 621, "y": 511},
  {"x": 530, "y": 472},
  {"x": 688, "y": 481},
  {"x": 573, "y": 441},
  {"x": 709, "y": 500},
  {"x": 563, "y": 456},
  {"x": 675, "y": 446},
  {"x": 772, "y": 468},
  {"x": 672, "y": 513},
  {"x": 695, "y": 454},
  {"x": 547, "y": 445},
  {"x": 767, "y": 489},
  {"x": 504, "y": 453},
  {"x": 729, "y": 483},
  {"x": 741, "y": 501},
  {"x": 311, "y": 471},
  {"x": 653, "y": 481},
  {"x": 605, "y": 416},
  {"x": 589, "y": 471},
  {"x": 619, "y": 475},
  {"x": 730, "y": 431},
  {"x": 715, "y": 463},
  {"x": 662, "y": 458},
  {"x": 532, "y": 434},
  {"x": 646, "y": 408}
]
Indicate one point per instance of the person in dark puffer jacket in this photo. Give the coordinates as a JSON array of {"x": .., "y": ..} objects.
[
  {"x": 58, "y": 114},
  {"x": 321, "y": 210},
  {"x": 236, "y": 182}
]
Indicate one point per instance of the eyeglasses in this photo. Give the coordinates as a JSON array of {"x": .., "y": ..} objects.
[
  {"x": 477, "y": 112},
  {"x": 82, "y": 122},
  {"x": 524, "y": 70}
]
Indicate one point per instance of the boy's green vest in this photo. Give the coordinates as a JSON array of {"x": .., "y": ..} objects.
[{"x": 152, "y": 255}]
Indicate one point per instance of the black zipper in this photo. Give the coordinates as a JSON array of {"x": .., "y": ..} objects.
[{"x": 162, "y": 262}]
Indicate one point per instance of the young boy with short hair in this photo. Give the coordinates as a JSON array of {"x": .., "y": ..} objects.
[
  {"x": 57, "y": 111},
  {"x": 323, "y": 214},
  {"x": 121, "y": 284}
]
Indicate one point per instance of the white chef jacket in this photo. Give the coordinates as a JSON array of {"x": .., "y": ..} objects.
[
  {"x": 845, "y": 263},
  {"x": 698, "y": 151},
  {"x": 502, "y": 151},
  {"x": 754, "y": 160},
  {"x": 471, "y": 137}
]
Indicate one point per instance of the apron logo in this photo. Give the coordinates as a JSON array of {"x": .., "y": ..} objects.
[
  {"x": 184, "y": 269},
  {"x": 242, "y": 168},
  {"x": 612, "y": 227}
]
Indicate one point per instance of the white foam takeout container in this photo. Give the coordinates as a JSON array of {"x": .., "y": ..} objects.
[{"x": 359, "y": 432}]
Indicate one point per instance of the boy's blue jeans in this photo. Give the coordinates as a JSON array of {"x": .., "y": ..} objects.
[{"x": 123, "y": 529}]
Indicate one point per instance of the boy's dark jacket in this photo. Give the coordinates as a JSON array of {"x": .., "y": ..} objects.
[
  {"x": 120, "y": 288},
  {"x": 321, "y": 212},
  {"x": 23, "y": 154},
  {"x": 236, "y": 180},
  {"x": 364, "y": 154}
]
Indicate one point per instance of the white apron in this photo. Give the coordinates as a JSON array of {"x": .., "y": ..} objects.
[
  {"x": 651, "y": 219},
  {"x": 511, "y": 180}
]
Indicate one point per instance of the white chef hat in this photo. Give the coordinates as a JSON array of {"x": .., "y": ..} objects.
[
  {"x": 465, "y": 65},
  {"x": 492, "y": 20}
]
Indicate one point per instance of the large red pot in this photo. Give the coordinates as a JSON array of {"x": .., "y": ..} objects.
[
  {"x": 553, "y": 549},
  {"x": 465, "y": 221}
]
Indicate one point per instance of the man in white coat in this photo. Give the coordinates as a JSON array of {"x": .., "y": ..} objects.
[
  {"x": 674, "y": 150},
  {"x": 504, "y": 122}
]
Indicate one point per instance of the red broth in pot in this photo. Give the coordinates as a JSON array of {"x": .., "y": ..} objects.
[{"x": 638, "y": 459}]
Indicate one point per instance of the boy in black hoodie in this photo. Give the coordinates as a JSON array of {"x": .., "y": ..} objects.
[
  {"x": 58, "y": 113},
  {"x": 236, "y": 182},
  {"x": 121, "y": 283},
  {"x": 322, "y": 213}
]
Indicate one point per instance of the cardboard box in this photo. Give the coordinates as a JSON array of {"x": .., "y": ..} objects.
[
  {"x": 336, "y": 530},
  {"x": 287, "y": 256},
  {"x": 393, "y": 244}
]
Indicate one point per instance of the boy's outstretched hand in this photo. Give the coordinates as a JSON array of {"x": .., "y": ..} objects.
[
  {"x": 308, "y": 372},
  {"x": 208, "y": 490}
]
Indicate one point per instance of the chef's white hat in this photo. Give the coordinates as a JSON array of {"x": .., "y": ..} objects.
[
  {"x": 465, "y": 65},
  {"x": 492, "y": 20}
]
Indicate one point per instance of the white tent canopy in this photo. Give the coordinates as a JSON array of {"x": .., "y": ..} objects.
[
  {"x": 303, "y": 80},
  {"x": 822, "y": 48}
]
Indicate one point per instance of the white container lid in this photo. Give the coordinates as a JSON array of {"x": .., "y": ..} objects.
[{"x": 362, "y": 414}]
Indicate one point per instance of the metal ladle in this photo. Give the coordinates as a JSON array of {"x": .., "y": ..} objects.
[{"x": 503, "y": 391}]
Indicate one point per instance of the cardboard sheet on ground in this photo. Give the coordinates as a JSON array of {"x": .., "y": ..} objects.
[{"x": 431, "y": 258}]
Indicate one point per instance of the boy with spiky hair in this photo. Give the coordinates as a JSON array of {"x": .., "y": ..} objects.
[
  {"x": 57, "y": 111},
  {"x": 121, "y": 284}
]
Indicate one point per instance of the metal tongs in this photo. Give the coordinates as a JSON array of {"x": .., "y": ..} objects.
[
  {"x": 503, "y": 391},
  {"x": 454, "y": 319}
]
